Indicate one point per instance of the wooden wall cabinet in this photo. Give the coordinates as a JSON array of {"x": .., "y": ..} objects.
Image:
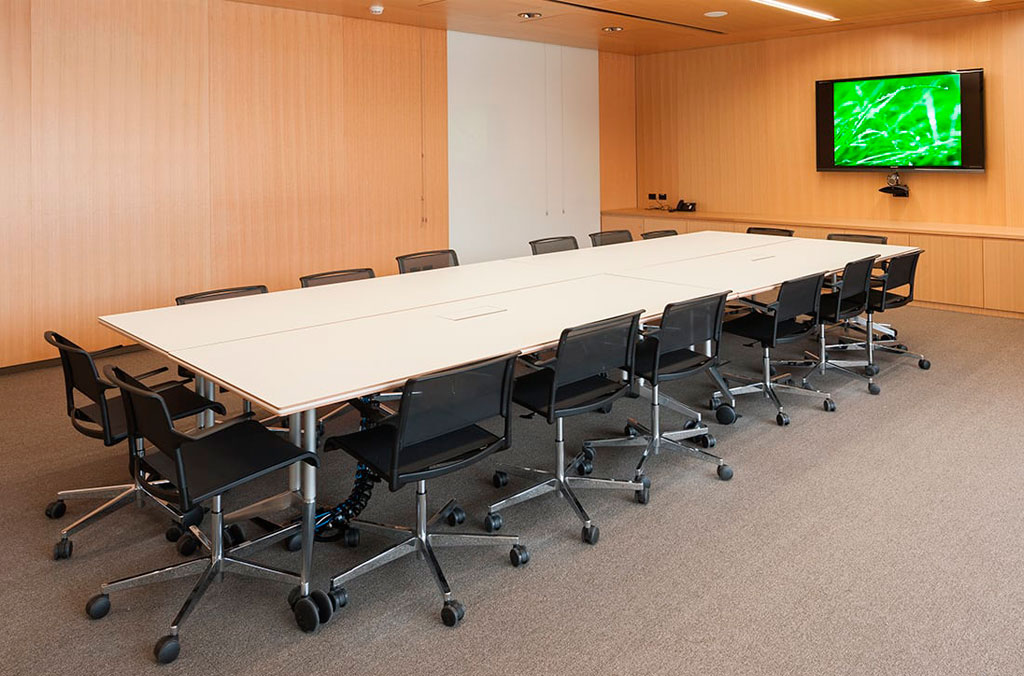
[
  {"x": 1004, "y": 274},
  {"x": 951, "y": 270}
]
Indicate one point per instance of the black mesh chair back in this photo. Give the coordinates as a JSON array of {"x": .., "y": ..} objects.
[
  {"x": 851, "y": 298},
  {"x": 775, "y": 232},
  {"x": 900, "y": 271},
  {"x": 610, "y": 237},
  {"x": 148, "y": 418},
  {"x": 553, "y": 244},
  {"x": 438, "y": 417},
  {"x": 655, "y": 234},
  {"x": 685, "y": 327},
  {"x": 220, "y": 294},
  {"x": 80, "y": 375},
  {"x": 595, "y": 349},
  {"x": 427, "y": 260},
  {"x": 863, "y": 239},
  {"x": 335, "y": 277},
  {"x": 798, "y": 297}
]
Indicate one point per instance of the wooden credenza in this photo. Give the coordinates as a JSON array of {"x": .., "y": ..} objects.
[{"x": 978, "y": 269}]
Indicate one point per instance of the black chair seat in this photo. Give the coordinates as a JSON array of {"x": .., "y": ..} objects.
[
  {"x": 533, "y": 391},
  {"x": 674, "y": 364},
  {"x": 891, "y": 300},
  {"x": 758, "y": 326},
  {"x": 229, "y": 458},
  {"x": 181, "y": 403},
  {"x": 835, "y": 309},
  {"x": 373, "y": 447}
]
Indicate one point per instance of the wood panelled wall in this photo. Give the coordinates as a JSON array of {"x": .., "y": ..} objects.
[
  {"x": 733, "y": 127},
  {"x": 617, "y": 96},
  {"x": 159, "y": 147}
]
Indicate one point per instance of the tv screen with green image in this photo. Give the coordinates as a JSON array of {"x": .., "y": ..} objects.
[{"x": 925, "y": 121}]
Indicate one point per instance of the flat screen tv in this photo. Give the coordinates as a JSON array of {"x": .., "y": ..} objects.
[{"x": 928, "y": 121}]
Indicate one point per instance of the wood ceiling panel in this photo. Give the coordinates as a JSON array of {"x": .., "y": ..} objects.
[{"x": 578, "y": 23}]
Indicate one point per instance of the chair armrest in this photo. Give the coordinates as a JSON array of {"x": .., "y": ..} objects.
[
  {"x": 230, "y": 422},
  {"x": 533, "y": 362},
  {"x": 761, "y": 307},
  {"x": 105, "y": 351},
  {"x": 879, "y": 280},
  {"x": 150, "y": 374}
]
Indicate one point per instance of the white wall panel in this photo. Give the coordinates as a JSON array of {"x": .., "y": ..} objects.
[{"x": 523, "y": 155}]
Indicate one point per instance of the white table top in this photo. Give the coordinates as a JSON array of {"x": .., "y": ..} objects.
[{"x": 292, "y": 350}]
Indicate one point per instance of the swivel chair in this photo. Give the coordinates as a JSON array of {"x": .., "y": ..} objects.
[
  {"x": 335, "y": 277},
  {"x": 610, "y": 237},
  {"x": 793, "y": 316},
  {"x": 656, "y": 234},
  {"x": 206, "y": 465},
  {"x": 553, "y": 244},
  {"x": 863, "y": 239},
  {"x": 427, "y": 260},
  {"x": 775, "y": 232},
  {"x": 435, "y": 433},
  {"x": 576, "y": 381},
  {"x": 668, "y": 352},
  {"x": 846, "y": 299},
  {"x": 102, "y": 417}
]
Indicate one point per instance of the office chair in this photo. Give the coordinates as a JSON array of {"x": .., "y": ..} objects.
[
  {"x": 775, "y": 232},
  {"x": 668, "y": 352},
  {"x": 103, "y": 417},
  {"x": 576, "y": 381},
  {"x": 863, "y": 239},
  {"x": 774, "y": 324},
  {"x": 847, "y": 298},
  {"x": 427, "y": 260},
  {"x": 335, "y": 277},
  {"x": 655, "y": 234},
  {"x": 435, "y": 433},
  {"x": 897, "y": 273},
  {"x": 206, "y": 465},
  {"x": 610, "y": 237},
  {"x": 553, "y": 244},
  {"x": 203, "y": 297}
]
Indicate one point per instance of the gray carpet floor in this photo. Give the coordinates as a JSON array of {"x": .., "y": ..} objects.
[{"x": 884, "y": 538}]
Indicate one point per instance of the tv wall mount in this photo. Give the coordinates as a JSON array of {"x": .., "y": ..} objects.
[{"x": 894, "y": 187}]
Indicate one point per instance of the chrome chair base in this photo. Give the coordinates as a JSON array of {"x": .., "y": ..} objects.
[
  {"x": 887, "y": 343},
  {"x": 558, "y": 481},
  {"x": 822, "y": 362},
  {"x": 421, "y": 541},
  {"x": 653, "y": 440},
  {"x": 769, "y": 387}
]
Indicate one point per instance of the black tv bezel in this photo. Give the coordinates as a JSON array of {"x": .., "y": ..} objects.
[{"x": 825, "y": 125}]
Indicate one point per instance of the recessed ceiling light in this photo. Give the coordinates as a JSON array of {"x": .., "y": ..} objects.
[
  {"x": 798, "y": 10},
  {"x": 612, "y": 29},
  {"x": 530, "y": 15},
  {"x": 717, "y": 14},
  {"x": 981, "y": 0}
]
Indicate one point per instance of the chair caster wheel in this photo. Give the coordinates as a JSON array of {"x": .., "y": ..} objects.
[
  {"x": 724, "y": 472},
  {"x": 324, "y": 605},
  {"x": 708, "y": 441},
  {"x": 187, "y": 544},
  {"x": 233, "y": 535},
  {"x": 349, "y": 539},
  {"x": 193, "y": 517},
  {"x": 690, "y": 424},
  {"x": 493, "y": 522},
  {"x": 56, "y": 509},
  {"x": 590, "y": 534},
  {"x": 772, "y": 371},
  {"x": 339, "y": 598},
  {"x": 518, "y": 556},
  {"x": 293, "y": 543},
  {"x": 643, "y": 496},
  {"x": 902, "y": 347},
  {"x": 456, "y": 516},
  {"x": 589, "y": 453},
  {"x": 500, "y": 479},
  {"x": 629, "y": 431},
  {"x": 62, "y": 550},
  {"x": 714, "y": 403},
  {"x": 829, "y": 405},
  {"x": 605, "y": 409},
  {"x": 584, "y": 467},
  {"x": 98, "y": 607},
  {"x": 871, "y": 370},
  {"x": 167, "y": 649},
  {"x": 782, "y": 419},
  {"x": 874, "y": 388},
  {"x": 924, "y": 364},
  {"x": 307, "y": 614},
  {"x": 173, "y": 533},
  {"x": 452, "y": 613},
  {"x": 725, "y": 414}
]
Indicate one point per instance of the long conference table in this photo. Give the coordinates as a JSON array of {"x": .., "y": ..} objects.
[{"x": 293, "y": 351}]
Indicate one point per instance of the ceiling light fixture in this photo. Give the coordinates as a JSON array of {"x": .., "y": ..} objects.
[
  {"x": 717, "y": 14},
  {"x": 798, "y": 10},
  {"x": 612, "y": 29},
  {"x": 530, "y": 15}
]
